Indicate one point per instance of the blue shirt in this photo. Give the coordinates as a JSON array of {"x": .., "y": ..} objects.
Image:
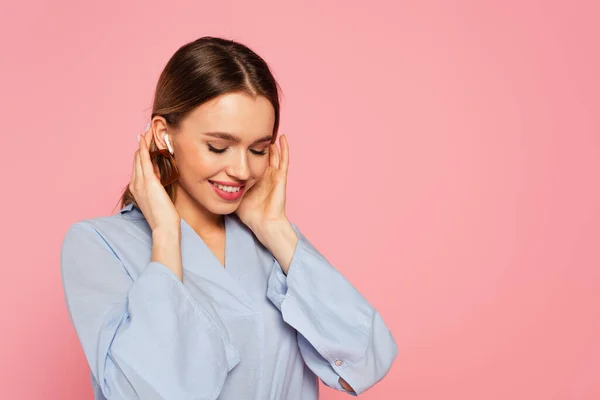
[{"x": 246, "y": 331}]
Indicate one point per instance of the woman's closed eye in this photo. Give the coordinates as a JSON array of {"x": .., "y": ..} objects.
[{"x": 222, "y": 150}]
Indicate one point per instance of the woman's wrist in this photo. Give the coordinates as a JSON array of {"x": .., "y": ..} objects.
[
  {"x": 280, "y": 239},
  {"x": 166, "y": 249}
]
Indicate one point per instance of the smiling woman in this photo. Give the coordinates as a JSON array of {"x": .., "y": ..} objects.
[
  {"x": 200, "y": 287},
  {"x": 225, "y": 140}
]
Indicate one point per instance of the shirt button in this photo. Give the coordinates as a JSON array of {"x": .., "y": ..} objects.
[{"x": 338, "y": 362}]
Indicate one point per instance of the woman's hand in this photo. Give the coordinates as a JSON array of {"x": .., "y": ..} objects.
[
  {"x": 264, "y": 203},
  {"x": 150, "y": 195},
  {"x": 263, "y": 208},
  {"x": 158, "y": 209}
]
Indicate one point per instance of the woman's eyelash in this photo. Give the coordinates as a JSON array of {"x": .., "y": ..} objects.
[
  {"x": 219, "y": 151},
  {"x": 215, "y": 150}
]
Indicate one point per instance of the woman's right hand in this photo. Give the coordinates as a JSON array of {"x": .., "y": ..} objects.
[
  {"x": 157, "y": 207},
  {"x": 149, "y": 193}
]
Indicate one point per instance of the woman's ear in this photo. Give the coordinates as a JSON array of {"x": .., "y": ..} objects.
[{"x": 159, "y": 130}]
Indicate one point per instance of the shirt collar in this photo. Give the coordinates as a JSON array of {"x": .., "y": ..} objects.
[{"x": 128, "y": 207}]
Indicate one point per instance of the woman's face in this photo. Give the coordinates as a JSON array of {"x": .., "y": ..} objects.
[{"x": 226, "y": 142}]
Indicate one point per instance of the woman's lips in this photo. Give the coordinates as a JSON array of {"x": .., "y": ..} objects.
[
  {"x": 229, "y": 183},
  {"x": 225, "y": 195}
]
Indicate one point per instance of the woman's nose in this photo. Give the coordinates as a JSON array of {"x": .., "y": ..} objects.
[{"x": 239, "y": 168}]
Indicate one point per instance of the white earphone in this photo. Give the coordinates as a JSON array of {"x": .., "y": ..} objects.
[{"x": 166, "y": 137}]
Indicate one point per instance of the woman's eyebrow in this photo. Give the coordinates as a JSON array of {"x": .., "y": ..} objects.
[{"x": 236, "y": 139}]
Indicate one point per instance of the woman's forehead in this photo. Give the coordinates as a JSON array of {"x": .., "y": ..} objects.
[{"x": 238, "y": 114}]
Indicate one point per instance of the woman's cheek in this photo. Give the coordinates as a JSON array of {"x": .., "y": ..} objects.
[
  {"x": 260, "y": 167},
  {"x": 211, "y": 163}
]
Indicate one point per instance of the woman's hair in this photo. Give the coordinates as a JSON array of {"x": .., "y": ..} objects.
[{"x": 200, "y": 71}]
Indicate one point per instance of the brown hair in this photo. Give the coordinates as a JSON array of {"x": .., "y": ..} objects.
[{"x": 200, "y": 71}]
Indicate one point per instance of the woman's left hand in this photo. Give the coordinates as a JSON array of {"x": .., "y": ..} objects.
[{"x": 264, "y": 203}]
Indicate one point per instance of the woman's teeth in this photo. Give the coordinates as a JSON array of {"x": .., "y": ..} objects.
[{"x": 229, "y": 189}]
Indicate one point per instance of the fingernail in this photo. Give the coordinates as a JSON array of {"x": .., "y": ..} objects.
[
  {"x": 138, "y": 137},
  {"x": 147, "y": 126}
]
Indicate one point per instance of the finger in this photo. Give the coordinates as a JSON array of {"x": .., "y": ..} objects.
[
  {"x": 148, "y": 135},
  {"x": 146, "y": 163},
  {"x": 273, "y": 161},
  {"x": 285, "y": 154},
  {"x": 134, "y": 167},
  {"x": 139, "y": 135},
  {"x": 276, "y": 156},
  {"x": 137, "y": 171}
]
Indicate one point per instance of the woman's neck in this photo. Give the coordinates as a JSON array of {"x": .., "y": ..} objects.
[{"x": 202, "y": 221}]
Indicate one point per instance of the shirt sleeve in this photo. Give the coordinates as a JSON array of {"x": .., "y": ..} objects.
[
  {"x": 339, "y": 333},
  {"x": 143, "y": 339}
]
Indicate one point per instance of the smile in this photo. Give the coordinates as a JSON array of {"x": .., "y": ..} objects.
[
  {"x": 230, "y": 189},
  {"x": 231, "y": 192}
]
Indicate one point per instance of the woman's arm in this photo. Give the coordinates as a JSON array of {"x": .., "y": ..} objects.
[
  {"x": 282, "y": 240},
  {"x": 343, "y": 339},
  {"x": 146, "y": 338}
]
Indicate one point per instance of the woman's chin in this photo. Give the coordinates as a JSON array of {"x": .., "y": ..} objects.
[{"x": 224, "y": 208}]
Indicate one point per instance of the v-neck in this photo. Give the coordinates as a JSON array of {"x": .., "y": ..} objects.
[
  {"x": 198, "y": 258},
  {"x": 214, "y": 259},
  {"x": 225, "y": 258}
]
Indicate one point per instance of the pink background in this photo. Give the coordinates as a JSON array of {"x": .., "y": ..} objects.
[{"x": 444, "y": 156}]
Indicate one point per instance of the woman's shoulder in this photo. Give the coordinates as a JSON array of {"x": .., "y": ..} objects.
[{"x": 125, "y": 229}]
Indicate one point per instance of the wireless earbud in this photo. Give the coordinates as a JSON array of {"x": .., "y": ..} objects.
[{"x": 166, "y": 137}]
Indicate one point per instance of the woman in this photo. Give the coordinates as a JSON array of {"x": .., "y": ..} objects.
[{"x": 200, "y": 287}]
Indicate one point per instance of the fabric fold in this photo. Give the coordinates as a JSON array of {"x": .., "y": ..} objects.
[
  {"x": 147, "y": 338},
  {"x": 340, "y": 334}
]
